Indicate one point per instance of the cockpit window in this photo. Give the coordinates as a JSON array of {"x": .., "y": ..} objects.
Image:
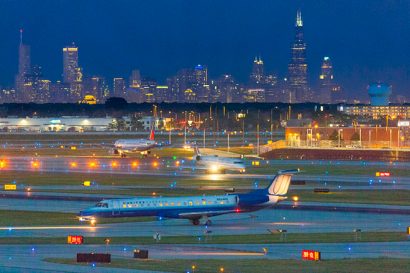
[{"x": 101, "y": 205}]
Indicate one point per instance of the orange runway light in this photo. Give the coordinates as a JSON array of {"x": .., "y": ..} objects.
[
  {"x": 92, "y": 164},
  {"x": 73, "y": 165},
  {"x": 35, "y": 164},
  {"x": 155, "y": 164},
  {"x": 295, "y": 198},
  {"x": 114, "y": 164},
  {"x": 134, "y": 164}
]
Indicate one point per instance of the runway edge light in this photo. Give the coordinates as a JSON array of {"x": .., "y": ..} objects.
[
  {"x": 408, "y": 230},
  {"x": 311, "y": 255}
]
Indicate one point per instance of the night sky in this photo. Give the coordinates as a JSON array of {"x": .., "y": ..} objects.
[{"x": 367, "y": 40}]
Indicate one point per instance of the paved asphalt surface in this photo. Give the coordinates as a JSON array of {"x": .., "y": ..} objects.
[
  {"x": 260, "y": 222},
  {"x": 28, "y": 258}
]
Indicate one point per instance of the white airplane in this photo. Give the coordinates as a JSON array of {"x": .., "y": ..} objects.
[
  {"x": 216, "y": 164},
  {"x": 123, "y": 147},
  {"x": 192, "y": 208}
]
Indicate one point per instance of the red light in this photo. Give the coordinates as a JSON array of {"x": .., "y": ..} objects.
[
  {"x": 385, "y": 174},
  {"x": 237, "y": 210}
]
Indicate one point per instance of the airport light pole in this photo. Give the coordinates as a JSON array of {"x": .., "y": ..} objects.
[
  {"x": 228, "y": 141},
  {"x": 257, "y": 139},
  {"x": 170, "y": 133},
  {"x": 271, "y": 125},
  {"x": 243, "y": 131},
  {"x": 339, "y": 137},
  {"x": 370, "y": 137},
  {"x": 204, "y": 137},
  {"x": 360, "y": 137}
]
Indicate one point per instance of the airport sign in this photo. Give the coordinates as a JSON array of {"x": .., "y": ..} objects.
[
  {"x": 10, "y": 187},
  {"x": 75, "y": 239},
  {"x": 310, "y": 255}
]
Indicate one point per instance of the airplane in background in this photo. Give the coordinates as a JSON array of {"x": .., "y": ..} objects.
[
  {"x": 195, "y": 207},
  {"x": 216, "y": 164},
  {"x": 124, "y": 147}
]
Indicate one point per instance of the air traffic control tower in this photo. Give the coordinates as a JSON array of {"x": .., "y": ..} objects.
[{"x": 379, "y": 94}]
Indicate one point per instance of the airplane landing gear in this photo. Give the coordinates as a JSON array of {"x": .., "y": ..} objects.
[{"x": 195, "y": 222}]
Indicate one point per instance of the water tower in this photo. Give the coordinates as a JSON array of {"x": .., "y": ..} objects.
[{"x": 379, "y": 94}]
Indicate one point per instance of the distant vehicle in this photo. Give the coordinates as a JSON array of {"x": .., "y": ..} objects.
[
  {"x": 217, "y": 164},
  {"x": 195, "y": 207},
  {"x": 124, "y": 147}
]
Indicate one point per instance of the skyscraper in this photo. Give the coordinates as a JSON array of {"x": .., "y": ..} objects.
[
  {"x": 326, "y": 81},
  {"x": 200, "y": 86},
  {"x": 297, "y": 68},
  {"x": 329, "y": 90},
  {"x": 24, "y": 57},
  {"x": 119, "y": 87},
  {"x": 225, "y": 89},
  {"x": 70, "y": 63},
  {"x": 24, "y": 70},
  {"x": 37, "y": 86},
  {"x": 257, "y": 75},
  {"x": 135, "y": 79},
  {"x": 72, "y": 73}
]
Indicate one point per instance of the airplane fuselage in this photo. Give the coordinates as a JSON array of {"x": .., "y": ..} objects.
[
  {"x": 129, "y": 146},
  {"x": 193, "y": 207},
  {"x": 215, "y": 163}
]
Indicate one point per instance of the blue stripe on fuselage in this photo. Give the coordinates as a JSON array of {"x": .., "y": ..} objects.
[{"x": 169, "y": 212}]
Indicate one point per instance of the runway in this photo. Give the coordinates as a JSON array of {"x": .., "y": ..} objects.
[
  {"x": 28, "y": 258},
  {"x": 300, "y": 217},
  {"x": 260, "y": 222},
  {"x": 186, "y": 168}
]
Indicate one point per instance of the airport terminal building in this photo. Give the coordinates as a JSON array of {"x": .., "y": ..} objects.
[{"x": 60, "y": 124}]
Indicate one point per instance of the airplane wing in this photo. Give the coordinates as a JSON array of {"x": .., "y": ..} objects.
[{"x": 199, "y": 214}]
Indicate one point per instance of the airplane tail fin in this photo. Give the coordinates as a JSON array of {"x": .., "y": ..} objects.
[
  {"x": 152, "y": 134},
  {"x": 280, "y": 183}
]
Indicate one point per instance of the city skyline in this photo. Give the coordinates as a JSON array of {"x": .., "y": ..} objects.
[{"x": 314, "y": 58}]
